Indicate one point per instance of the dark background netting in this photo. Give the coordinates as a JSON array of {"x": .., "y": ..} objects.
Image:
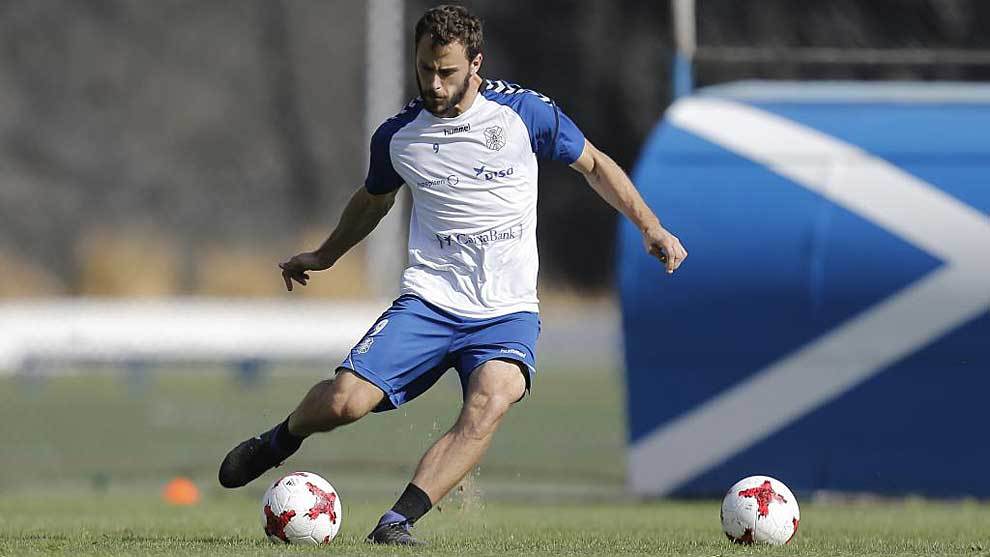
[{"x": 240, "y": 123}]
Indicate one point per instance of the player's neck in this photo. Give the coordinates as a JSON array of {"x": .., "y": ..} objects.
[{"x": 474, "y": 86}]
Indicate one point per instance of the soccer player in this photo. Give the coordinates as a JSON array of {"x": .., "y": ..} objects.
[{"x": 467, "y": 148}]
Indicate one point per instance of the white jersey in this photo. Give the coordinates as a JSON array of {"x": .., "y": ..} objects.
[{"x": 473, "y": 178}]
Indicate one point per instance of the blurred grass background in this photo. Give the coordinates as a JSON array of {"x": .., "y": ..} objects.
[{"x": 107, "y": 429}]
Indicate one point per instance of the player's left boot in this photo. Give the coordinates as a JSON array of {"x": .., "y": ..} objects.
[
  {"x": 393, "y": 533},
  {"x": 252, "y": 458}
]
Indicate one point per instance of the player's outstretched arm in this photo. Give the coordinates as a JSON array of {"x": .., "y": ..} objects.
[
  {"x": 363, "y": 213},
  {"x": 615, "y": 187}
]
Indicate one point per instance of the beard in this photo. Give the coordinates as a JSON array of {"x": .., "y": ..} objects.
[{"x": 443, "y": 107}]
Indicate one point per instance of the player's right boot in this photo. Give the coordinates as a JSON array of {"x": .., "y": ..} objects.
[{"x": 252, "y": 458}]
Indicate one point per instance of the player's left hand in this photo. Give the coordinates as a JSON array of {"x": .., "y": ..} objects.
[{"x": 665, "y": 246}]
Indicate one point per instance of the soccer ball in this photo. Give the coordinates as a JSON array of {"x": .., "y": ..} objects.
[
  {"x": 760, "y": 509},
  {"x": 301, "y": 508}
]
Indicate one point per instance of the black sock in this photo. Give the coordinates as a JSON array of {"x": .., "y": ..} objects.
[
  {"x": 285, "y": 442},
  {"x": 413, "y": 503}
]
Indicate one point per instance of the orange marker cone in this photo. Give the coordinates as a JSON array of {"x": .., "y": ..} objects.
[{"x": 181, "y": 491}]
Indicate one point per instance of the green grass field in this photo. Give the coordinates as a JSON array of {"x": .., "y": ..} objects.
[
  {"x": 124, "y": 524},
  {"x": 83, "y": 460}
]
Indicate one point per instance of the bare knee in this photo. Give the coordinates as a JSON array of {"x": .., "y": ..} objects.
[
  {"x": 493, "y": 388},
  {"x": 334, "y": 403},
  {"x": 345, "y": 408},
  {"x": 482, "y": 414}
]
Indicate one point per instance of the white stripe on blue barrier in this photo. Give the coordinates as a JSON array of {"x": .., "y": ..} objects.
[{"x": 861, "y": 347}]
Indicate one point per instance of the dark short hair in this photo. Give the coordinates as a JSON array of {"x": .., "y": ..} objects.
[{"x": 448, "y": 23}]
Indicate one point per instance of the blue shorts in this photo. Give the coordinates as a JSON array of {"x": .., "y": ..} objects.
[{"x": 414, "y": 343}]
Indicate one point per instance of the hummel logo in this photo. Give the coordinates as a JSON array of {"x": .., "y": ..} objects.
[
  {"x": 457, "y": 129},
  {"x": 513, "y": 351}
]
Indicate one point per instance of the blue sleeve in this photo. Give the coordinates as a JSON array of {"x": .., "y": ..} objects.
[
  {"x": 553, "y": 135},
  {"x": 382, "y": 177},
  {"x": 569, "y": 141}
]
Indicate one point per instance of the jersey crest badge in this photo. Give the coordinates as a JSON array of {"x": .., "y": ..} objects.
[{"x": 494, "y": 138}]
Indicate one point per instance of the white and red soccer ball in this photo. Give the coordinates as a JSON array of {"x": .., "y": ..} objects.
[
  {"x": 760, "y": 509},
  {"x": 301, "y": 508}
]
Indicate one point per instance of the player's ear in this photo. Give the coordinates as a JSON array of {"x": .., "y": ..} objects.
[{"x": 476, "y": 63}]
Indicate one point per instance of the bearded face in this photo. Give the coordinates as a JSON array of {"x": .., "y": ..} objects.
[{"x": 443, "y": 74}]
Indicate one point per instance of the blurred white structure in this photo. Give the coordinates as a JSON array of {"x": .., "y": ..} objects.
[{"x": 74, "y": 330}]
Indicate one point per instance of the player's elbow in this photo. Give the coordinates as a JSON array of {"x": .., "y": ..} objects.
[
  {"x": 596, "y": 165},
  {"x": 603, "y": 165}
]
